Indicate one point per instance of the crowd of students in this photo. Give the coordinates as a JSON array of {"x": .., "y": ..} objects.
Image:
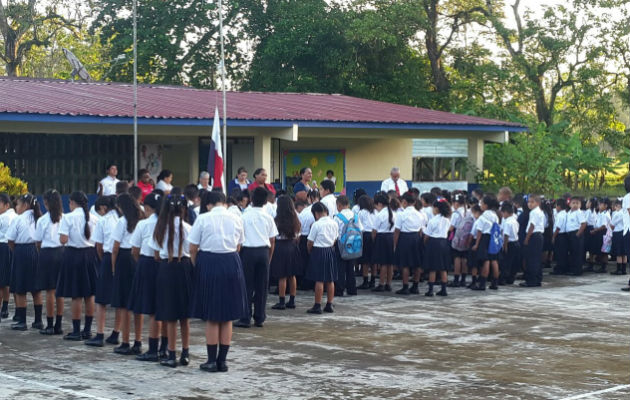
[{"x": 188, "y": 253}]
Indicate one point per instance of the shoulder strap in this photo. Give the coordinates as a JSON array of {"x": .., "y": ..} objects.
[{"x": 342, "y": 218}]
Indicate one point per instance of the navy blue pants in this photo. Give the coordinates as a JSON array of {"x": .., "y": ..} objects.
[
  {"x": 255, "y": 262},
  {"x": 533, "y": 259},
  {"x": 510, "y": 263},
  {"x": 576, "y": 252},
  {"x": 561, "y": 253},
  {"x": 346, "y": 279}
]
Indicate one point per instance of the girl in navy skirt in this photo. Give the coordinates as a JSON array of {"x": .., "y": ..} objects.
[
  {"x": 144, "y": 286},
  {"x": 591, "y": 239},
  {"x": 383, "y": 237},
  {"x": 407, "y": 239},
  {"x": 124, "y": 267},
  {"x": 437, "y": 255},
  {"x": 105, "y": 207},
  {"x": 322, "y": 268},
  {"x": 21, "y": 238},
  {"x": 617, "y": 249},
  {"x": 170, "y": 247},
  {"x": 366, "y": 216},
  {"x": 489, "y": 207},
  {"x": 460, "y": 226},
  {"x": 50, "y": 258},
  {"x": 286, "y": 255},
  {"x": 7, "y": 214},
  {"x": 77, "y": 279},
  {"x": 597, "y": 234},
  {"x": 219, "y": 292}
]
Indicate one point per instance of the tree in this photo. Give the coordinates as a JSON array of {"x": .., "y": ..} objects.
[{"x": 9, "y": 184}]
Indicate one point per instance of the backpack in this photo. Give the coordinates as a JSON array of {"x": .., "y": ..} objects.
[
  {"x": 496, "y": 239},
  {"x": 462, "y": 231},
  {"x": 351, "y": 239}
]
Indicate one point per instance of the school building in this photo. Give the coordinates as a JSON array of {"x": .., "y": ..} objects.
[{"x": 63, "y": 134}]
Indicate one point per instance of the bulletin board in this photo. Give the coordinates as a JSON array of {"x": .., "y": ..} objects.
[{"x": 319, "y": 161}]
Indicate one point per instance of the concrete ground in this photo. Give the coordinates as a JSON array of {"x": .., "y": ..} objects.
[{"x": 569, "y": 339}]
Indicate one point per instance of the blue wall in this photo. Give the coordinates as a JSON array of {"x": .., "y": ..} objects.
[{"x": 65, "y": 199}]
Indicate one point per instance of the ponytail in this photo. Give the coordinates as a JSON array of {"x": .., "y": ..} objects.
[
  {"x": 174, "y": 205},
  {"x": 82, "y": 201},
  {"x": 382, "y": 198},
  {"x": 53, "y": 204},
  {"x": 33, "y": 204}
]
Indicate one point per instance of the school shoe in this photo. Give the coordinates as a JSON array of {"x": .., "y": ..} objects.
[
  {"x": 163, "y": 355},
  {"x": 150, "y": 357},
  {"x": 525, "y": 284},
  {"x": 58, "y": 330},
  {"x": 442, "y": 293},
  {"x": 37, "y": 325},
  {"x": 241, "y": 324},
  {"x": 626, "y": 289},
  {"x": 169, "y": 363},
  {"x": 95, "y": 342},
  {"x": 429, "y": 293},
  {"x": 15, "y": 318},
  {"x": 279, "y": 306},
  {"x": 364, "y": 286},
  {"x": 478, "y": 287},
  {"x": 112, "y": 339},
  {"x": 494, "y": 287},
  {"x": 19, "y": 326},
  {"x": 387, "y": 288},
  {"x": 602, "y": 269},
  {"x": 463, "y": 284},
  {"x": 124, "y": 349},
  {"x": 4, "y": 314},
  {"x": 316, "y": 309},
  {"x": 379, "y": 288},
  {"x": 47, "y": 331},
  {"x": 73, "y": 336},
  {"x": 184, "y": 359},
  {"x": 414, "y": 289},
  {"x": 209, "y": 367},
  {"x": 352, "y": 294},
  {"x": 453, "y": 284},
  {"x": 259, "y": 324},
  {"x": 290, "y": 304},
  {"x": 86, "y": 335},
  {"x": 329, "y": 308},
  {"x": 619, "y": 272},
  {"x": 404, "y": 291}
]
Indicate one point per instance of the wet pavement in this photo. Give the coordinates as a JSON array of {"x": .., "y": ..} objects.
[{"x": 569, "y": 339}]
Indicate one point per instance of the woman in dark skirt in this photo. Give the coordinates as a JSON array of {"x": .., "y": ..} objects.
[
  {"x": 21, "y": 239},
  {"x": 219, "y": 292},
  {"x": 437, "y": 257},
  {"x": 383, "y": 237},
  {"x": 407, "y": 240},
  {"x": 7, "y": 214},
  {"x": 286, "y": 255},
  {"x": 174, "y": 274},
  {"x": 366, "y": 216},
  {"x": 124, "y": 268},
  {"x": 50, "y": 259},
  {"x": 77, "y": 279}
]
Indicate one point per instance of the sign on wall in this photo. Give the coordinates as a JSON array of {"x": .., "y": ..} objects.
[
  {"x": 151, "y": 159},
  {"x": 319, "y": 161}
]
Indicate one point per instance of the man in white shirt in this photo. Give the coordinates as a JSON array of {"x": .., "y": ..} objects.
[
  {"x": 107, "y": 185},
  {"x": 394, "y": 183},
  {"x": 204, "y": 181},
  {"x": 327, "y": 191}
]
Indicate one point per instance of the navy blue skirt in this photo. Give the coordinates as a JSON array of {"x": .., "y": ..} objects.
[
  {"x": 322, "y": 265},
  {"x": 77, "y": 278},
  {"x": 595, "y": 242},
  {"x": 104, "y": 282},
  {"x": 49, "y": 265},
  {"x": 219, "y": 293},
  {"x": 286, "y": 260},
  {"x": 5, "y": 265},
  {"x": 24, "y": 271},
  {"x": 437, "y": 254},
  {"x": 383, "y": 251},
  {"x": 617, "y": 249},
  {"x": 368, "y": 247},
  {"x": 407, "y": 252},
  {"x": 482, "y": 250},
  {"x": 123, "y": 278},
  {"x": 174, "y": 287},
  {"x": 143, "y": 288}
]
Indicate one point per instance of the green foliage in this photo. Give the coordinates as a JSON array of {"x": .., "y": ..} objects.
[{"x": 9, "y": 184}]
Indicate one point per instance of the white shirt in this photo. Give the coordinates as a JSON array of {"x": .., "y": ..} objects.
[
  {"x": 162, "y": 248},
  {"x": 356, "y": 209},
  {"x": 73, "y": 224},
  {"x": 475, "y": 227},
  {"x": 438, "y": 227},
  {"x": 109, "y": 185},
  {"x": 367, "y": 220},
  {"x": 324, "y": 232},
  {"x": 259, "y": 228},
  {"x": 486, "y": 221},
  {"x": 306, "y": 218},
  {"x": 560, "y": 222},
  {"x": 234, "y": 210},
  {"x": 217, "y": 231},
  {"x": 121, "y": 234},
  {"x": 330, "y": 201},
  {"x": 574, "y": 220},
  {"x": 617, "y": 221},
  {"x": 537, "y": 219},
  {"x": 104, "y": 229},
  {"x": 603, "y": 219},
  {"x": 349, "y": 216},
  {"x": 389, "y": 184},
  {"x": 591, "y": 217},
  {"x": 381, "y": 222},
  {"x": 163, "y": 186},
  {"x": 625, "y": 205},
  {"x": 410, "y": 220},
  {"x": 22, "y": 228},
  {"x": 428, "y": 211},
  {"x": 47, "y": 232},
  {"x": 270, "y": 208},
  {"x": 141, "y": 237},
  {"x": 5, "y": 220},
  {"x": 458, "y": 217},
  {"x": 509, "y": 226}
]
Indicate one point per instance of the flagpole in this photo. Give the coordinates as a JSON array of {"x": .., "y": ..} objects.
[
  {"x": 135, "y": 92},
  {"x": 223, "y": 89}
]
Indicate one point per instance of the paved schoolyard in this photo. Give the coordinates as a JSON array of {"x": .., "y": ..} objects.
[{"x": 567, "y": 340}]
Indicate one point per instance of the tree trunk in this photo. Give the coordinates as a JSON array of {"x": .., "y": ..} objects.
[
  {"x": 543, "y": 113},
  {"x": 438, "y": 75}
]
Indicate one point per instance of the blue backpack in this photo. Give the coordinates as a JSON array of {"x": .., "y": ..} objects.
[
  {"x": 351, "y": 239},
  {"x": 496, "y": 239}
]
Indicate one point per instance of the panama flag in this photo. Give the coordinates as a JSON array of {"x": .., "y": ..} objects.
[{"x": 215, "y": 154}]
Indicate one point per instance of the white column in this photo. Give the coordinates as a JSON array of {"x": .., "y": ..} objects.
[{"x": 475, "y": 157}]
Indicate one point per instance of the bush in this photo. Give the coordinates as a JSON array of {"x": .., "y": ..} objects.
[{"x": 9, "y": 184}]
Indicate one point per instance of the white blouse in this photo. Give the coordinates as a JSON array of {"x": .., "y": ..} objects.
[
  {"x": 5, "y": 220},
  {"x": 217, "y": 231},
  {"x": 324, "y": 232},
  {"x": 73, "y": 224},
  {"x": 381, "y": 222},
  {"x": 410, "y": 220},
  {"x": 438, "y": 227},
  {"x": 121, "y": 234},
  {"x": 259, "y": 227},
  {"x": 162, "y": 248},
  {"x": 22, "y": 228},
  {"x": 104, "y": 229},
  {"x": 141, "y": 237},
  {"x": 47, "y": 232}
]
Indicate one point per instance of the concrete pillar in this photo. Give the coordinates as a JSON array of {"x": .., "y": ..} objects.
[
  {"x": 262, "y": 152},
  {"x": 475, "y": 157},
  {"x": 193, "y": 165}
]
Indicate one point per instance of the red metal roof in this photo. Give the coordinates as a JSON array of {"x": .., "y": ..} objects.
[{"x": 102, "y": 99}]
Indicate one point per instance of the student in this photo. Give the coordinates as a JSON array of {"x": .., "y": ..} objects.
[
  {"x": 50, "y": 258},
  {"x": 170, "y": 246},
  {"x": 460, "y": 228},
  {"x": 219, "y": 293},
  {"x": 560, "y": 239},
  {"x": 407, "y": 231},
  {"x": 77, "y": 279},
  {"x": 427, "y": 200},
  {"x": 489, "y": 207},
  {"x": 165, "y": 180},
  {"x": 144, "y": 287},
  {"x": 107, "y": 185},
  {"x": 576, "y": 226},
  {"x": 437, "y": 258},
  {"x": 21, "y": 238},
  {"x": 322, "y": 268},
  {"x": 473, "y": 263},
  {"x": 306, "y": 221},
  {"x": 533, "y": 243},
  {"x": 547, "y": 209},
  {"x": 192, "y": 198},
  {"x": 511, "y": 247},
  {"x": 124, "y": 268},
  {"x": 366, "y": 216},
  {"x": 617, "y": 249},
  {"x": 7, "y": 214},
  {"x": 327, "y": 192},
  {"x": 103, "y": 240},
  {"x": 590, "y": 241},
  {"x": 600, "y": 229},
  {"x": 345, "y": 268},
  {"x": 330, "y": 176},
  {"x": 286, "y": 254},
  {"x": 256, "y": 252},
  {"x": 383, "y": 237}
]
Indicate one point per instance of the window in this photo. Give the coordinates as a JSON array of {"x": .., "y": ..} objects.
[{"x": 439, "y": 169}]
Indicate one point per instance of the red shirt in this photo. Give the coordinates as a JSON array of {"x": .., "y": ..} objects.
[
  {"x": 146, "y": 188},
  {"x": 267, "y": 186}
]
